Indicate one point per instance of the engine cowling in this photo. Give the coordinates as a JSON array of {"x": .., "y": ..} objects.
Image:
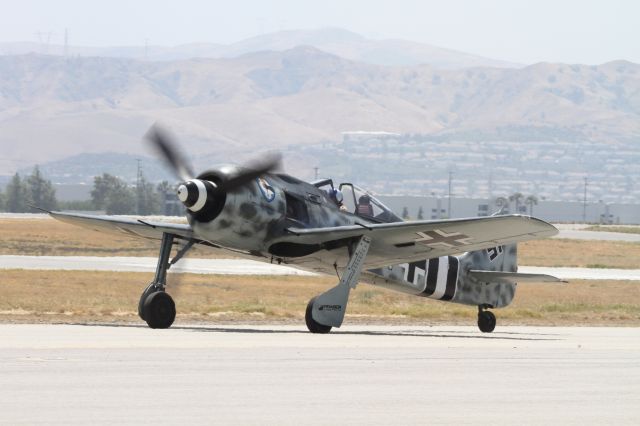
[
  {"x": 243, "y": 218},
  {"x": 202, "y": 199}
]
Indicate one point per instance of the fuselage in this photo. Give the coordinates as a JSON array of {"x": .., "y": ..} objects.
[{"x": 254, "y": 220}]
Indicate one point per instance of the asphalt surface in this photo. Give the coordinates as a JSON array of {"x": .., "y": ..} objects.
[
  {"x": 147, "y": 264},
  {"x": 248, "y": 267},
  {"x": 577, "y": 234},
  {"x": 373, "y": 375}
]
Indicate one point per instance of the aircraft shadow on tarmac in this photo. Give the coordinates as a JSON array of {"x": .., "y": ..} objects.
[{"x": 399, "y": 333}]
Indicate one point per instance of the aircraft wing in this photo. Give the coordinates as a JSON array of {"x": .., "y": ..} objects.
[
  {"x": 131, "y": 227},
  {"x": 402, "y": 242}
]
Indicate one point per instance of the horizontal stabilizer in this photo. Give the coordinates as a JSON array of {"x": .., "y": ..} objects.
[{"x": 512, "y": 277}]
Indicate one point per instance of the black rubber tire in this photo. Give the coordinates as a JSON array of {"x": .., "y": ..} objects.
[
  {"x": 151, "y": 288},
  {"x": 314, "y": 326},
  {"x": 141, "y": 307},
  {"x": 486, "y": 321},
  {"x": 159, "y": 310},
  {"x": 143, "y": 297}
]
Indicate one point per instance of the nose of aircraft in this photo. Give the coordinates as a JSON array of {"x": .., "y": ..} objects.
[{"x": 194, "y": 193}]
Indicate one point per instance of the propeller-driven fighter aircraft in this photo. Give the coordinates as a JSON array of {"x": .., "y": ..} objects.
[{"x": 258, "y": 213}]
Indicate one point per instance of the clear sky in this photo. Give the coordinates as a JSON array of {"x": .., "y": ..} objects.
[{"x": 572, "y": 31}]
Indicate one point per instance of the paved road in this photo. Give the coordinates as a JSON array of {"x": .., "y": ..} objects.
[
  {"x": 576, "y": 234},
  {"x": 248, "y": 267},
  {"x": 368, "y": 375},
  {"x": 147, "y": 264},
  {"x": 584, "y": 273}
]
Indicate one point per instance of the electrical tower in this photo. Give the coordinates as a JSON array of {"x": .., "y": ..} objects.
[{"x": 44, "y": 37}]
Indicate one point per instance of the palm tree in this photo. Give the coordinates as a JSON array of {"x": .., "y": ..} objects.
[
  {"x": 517, "y": 198},
  {"x": 531, "y": 201}
]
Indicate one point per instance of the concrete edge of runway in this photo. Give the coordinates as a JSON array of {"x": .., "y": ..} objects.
[{"x": 250, "y": 267}]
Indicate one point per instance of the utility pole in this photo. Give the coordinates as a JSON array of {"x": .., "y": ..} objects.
[
  {"x": 490, "y": 186},
  {"x": 138, "y": 189},
  {"x": 584, "y": 203},
  {"x": 449, "y": 197},
  {"x": 315, "y": 169}
]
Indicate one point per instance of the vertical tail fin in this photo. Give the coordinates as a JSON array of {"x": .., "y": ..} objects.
[
  {"x": 473, "y": 290},
  {"x": 500, "y": 258}
]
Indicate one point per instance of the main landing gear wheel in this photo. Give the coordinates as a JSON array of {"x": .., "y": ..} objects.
[
  {"x": 313, "y": 325},
  {"x": 159, "y": 310},
  {"x": 486, "y": 321}
]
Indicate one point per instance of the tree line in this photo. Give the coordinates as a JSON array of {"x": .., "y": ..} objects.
[{"x": 110, "y": 194}]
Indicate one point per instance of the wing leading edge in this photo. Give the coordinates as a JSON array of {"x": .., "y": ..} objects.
[
  {"x": 131, "y": 227},
  {"x": 408, "y": 241}
]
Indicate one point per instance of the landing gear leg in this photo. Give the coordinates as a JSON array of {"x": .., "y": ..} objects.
[
  {"x": 486, "y": 319},
  {"x": 156, "y": 307},
  {"x": 327, "y": 310}
]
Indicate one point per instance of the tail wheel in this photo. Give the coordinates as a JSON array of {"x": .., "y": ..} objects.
[
  {"x": 159, "y": 310},
  {"x": 314, "y": 326},
  {"x": 486, "y": 321}
]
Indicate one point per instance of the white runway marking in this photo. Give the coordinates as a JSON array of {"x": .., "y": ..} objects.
[
  {"x": 248, "y": 267},
  {"x": 283, "y": 375}
]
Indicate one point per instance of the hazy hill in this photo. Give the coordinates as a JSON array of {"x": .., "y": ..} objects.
[
  {"x": 337, "y": 41},
  {"x": 52, "y": 107}
]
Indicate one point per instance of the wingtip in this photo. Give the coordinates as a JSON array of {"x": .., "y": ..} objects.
[{"x": 31, "y": 206}]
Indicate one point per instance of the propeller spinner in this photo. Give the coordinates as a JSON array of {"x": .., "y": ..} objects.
[
  {"x": 200, "y": 195},
  {"x": 194, "y": 193}
]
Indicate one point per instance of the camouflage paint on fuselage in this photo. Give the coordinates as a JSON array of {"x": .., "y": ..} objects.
[
  {"x": 255, "y": 215},
  {"x": 447, "y": 278}
]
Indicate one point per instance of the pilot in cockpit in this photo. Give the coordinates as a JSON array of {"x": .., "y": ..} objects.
[{"x": 364, "y": 206}]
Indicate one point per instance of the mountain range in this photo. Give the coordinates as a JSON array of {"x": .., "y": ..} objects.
[
  {"x": 52, "y": 106},
  {"x": 337, "y": 41}
]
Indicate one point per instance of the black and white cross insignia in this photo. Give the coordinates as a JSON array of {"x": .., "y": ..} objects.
[{"x": 440, "y": 238}]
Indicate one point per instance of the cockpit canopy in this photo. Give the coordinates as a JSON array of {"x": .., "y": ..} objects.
[{"x": 358, "y": 201}]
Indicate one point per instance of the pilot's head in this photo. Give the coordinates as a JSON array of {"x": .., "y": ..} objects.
[{"x": 365, "y": 199}]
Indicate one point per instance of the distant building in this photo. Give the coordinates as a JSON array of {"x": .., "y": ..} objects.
[{"x": 551, "y": 211}]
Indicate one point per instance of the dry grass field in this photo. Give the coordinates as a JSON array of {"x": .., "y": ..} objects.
[
  {"x": 580, "y": 253},
  {"x": 48, "y": 237},
  {"x": 82, "y": 296},
  {"x": 625, "y": 229},
  {"x": 61, "y": 296}
]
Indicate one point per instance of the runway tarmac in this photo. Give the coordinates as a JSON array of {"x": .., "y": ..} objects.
[
  {"x": 577, "y": 234},
  {"x": 147, "y": 264},
  {"x": 373, "y": 375},
  {"x": 249, "y": 267}
]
